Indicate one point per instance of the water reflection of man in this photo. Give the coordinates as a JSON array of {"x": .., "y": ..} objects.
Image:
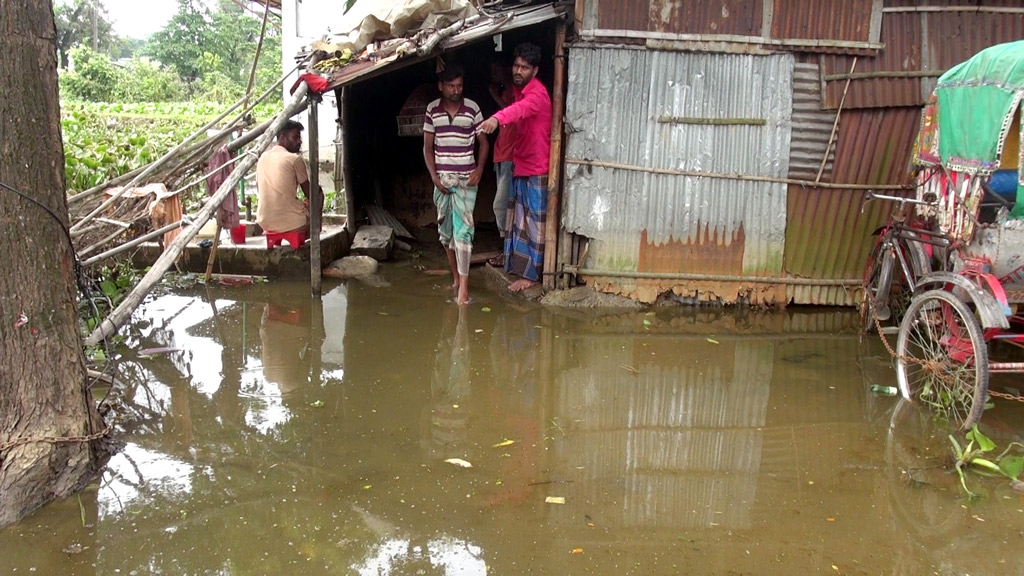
[
  {"x": 284, "y": 331},
  {"x": 513, "y": 393},
  {"x": 450, "y": 386}
]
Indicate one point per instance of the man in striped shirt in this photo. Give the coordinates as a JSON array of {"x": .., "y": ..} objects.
[{"x": 450, "y": 139}]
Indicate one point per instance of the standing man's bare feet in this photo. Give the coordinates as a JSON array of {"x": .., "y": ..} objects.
[
  {"x": 462, "y": 290},
  {"x": 521, "y": 284}
]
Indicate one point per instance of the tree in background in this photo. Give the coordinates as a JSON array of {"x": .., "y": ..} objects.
[
  {"x": 183, "y": 40},
  {"x": 83, "y": 23},
  {"x": 43, "y": 389},
  {"x": 213, "y": 51},
  {"x": 97, "y": 79}
]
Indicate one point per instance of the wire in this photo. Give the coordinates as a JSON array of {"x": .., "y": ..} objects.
[{"x": 44, "y": 207}]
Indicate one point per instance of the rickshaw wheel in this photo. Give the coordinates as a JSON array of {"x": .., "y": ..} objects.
[
  {"x": 941, "y": 358},
  {"x": 883, "y": 275}
]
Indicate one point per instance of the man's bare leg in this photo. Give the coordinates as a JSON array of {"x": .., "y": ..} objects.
[
  {"x": 455, "y": 268},
  {"x": 521, "y": 284},
  {"x": 463, "y": 290}
]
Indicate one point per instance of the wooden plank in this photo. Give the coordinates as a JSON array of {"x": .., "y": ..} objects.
[{"x": 381, "y": 217}]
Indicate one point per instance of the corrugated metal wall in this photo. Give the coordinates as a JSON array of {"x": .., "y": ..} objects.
[
  {"x": 828, "y": 232},
  {"x": 849, "y": 20},
  {"x": 922, "y": 43},
  {"x": 740, "y": 17},
  {"x": 812, "y": 126},
  {"x": 620, "y": 109}
]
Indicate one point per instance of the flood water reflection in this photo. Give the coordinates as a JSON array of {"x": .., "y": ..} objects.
[{"x": 282, "y": 436}]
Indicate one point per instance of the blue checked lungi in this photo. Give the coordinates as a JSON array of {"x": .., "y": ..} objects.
[{"x": 524, "y": 242}]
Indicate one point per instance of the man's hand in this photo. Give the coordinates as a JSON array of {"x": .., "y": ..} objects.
[
  {"x": 439, "y": 186},
  {"x": 489, "y": 126},
  {"x": 475, "y": 177}
]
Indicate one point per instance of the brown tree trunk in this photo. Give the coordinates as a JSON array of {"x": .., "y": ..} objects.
[{"x": 43, "y": 392}]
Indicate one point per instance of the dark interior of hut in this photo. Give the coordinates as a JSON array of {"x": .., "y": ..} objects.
[{"x": 387, "y": 168}]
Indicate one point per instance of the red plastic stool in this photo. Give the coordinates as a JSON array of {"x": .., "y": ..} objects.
[{"x": 295, "y": 238}]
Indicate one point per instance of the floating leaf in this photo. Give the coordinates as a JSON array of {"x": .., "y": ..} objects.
[
  {"x": 1012, "y": 466},
  {"x": 317, "y": 404},
  {"x": 647, "y": 322},
  {"x": 555, "y": 499},
  {"x": 459, "y": 462},
  {"x": 485, "y": 309},
  {"x": 984, "y": 442},
  {"x": 505, "y": 442}
]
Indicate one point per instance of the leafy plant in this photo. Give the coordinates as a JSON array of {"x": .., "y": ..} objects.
[
  {"x": 103, "y": 140},
  {"x": 974, "y": 455}
]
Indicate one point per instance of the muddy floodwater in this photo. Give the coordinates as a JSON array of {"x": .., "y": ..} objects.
[{"x": 273, "y": 435}]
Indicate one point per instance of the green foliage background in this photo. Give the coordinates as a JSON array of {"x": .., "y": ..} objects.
[{"x": 120, "y": 114}]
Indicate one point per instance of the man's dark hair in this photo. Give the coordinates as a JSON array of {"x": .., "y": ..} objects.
[
  {"x": 451, "y": 72},
  {"x": 529, "y": 52},
  {"x": 289, "y": 126}
]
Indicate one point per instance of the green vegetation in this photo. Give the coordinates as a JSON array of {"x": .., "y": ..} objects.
[
  {"x": 975, "y": 455},
  {"x": 120, "y": 114}
]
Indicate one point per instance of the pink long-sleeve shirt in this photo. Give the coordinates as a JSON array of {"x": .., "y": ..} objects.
[{"x": 531, "y": 114}]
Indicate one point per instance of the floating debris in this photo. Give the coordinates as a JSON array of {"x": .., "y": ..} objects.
[{"x": 459, "y": 462}]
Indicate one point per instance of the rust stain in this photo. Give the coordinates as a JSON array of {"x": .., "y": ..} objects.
[
  {"x": 707, "y": 253},
  {"x": 736, "y": 17}
]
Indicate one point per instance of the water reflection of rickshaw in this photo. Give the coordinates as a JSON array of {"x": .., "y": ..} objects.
[{"x": 947, "y": 272}]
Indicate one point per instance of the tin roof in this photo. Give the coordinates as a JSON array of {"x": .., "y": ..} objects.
[{"x": 418, "y": 48}]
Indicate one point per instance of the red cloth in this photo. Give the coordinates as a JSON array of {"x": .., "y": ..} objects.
[
  {"x": 227, "y": 212},
  {"x": 505, "y": 143},
  {"x": 316, "y": 83},
  {"x": 531, "y": 115}
]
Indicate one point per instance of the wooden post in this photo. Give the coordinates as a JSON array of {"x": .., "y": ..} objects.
[
  {"x": 213, "y": 255},
  {"x": 316, "y": 199},
  {"x": 124, "y": 310},
  {"x": 339, "y": 159},
  {"x": 551, "y": 226},
  {"x": 351, "y": 215}
]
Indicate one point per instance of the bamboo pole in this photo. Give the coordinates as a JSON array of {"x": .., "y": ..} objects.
[
  {"x": 133, "y": 243},
  {"x": 259, "y": 48},
  {"x": 123, "y": 312},
  {"x": 835, "y": 125},
  {"x": 732, "y": 176},
  {"x": 315, "y": 198},
  {"x": 152, "y": 167},
  {"x": 121, "y": 228},
  {"x": 884, "y": 74},
  {"x": 551, "y": 227}
]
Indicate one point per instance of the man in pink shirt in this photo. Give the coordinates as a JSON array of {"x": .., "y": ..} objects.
[{"x": 528, "y": 200}]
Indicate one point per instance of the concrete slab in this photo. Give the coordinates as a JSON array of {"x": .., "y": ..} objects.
[
  {"x": 374, "y": 241},
  {"x": 252, "y": 257}
]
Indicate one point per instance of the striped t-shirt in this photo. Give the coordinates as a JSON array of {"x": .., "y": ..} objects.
[{"x": 454, "y": 136}]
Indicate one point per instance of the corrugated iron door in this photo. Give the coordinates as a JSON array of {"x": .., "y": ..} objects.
[{"x": 666, "y": 163}]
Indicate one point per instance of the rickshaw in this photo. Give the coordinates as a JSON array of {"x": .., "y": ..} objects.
[{"x": 946, "y": 275}]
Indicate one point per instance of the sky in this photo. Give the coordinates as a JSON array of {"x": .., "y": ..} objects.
[{"x": 139, "y": 19}]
